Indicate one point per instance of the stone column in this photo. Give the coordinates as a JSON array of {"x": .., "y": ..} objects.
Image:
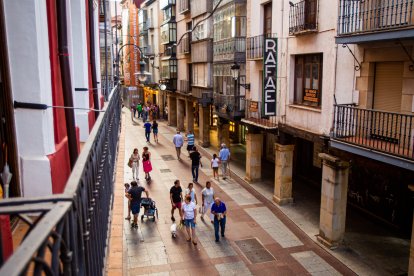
[
  {"x": 283, "y": 174},
  {"x": 253, "y": 156},
  {"x": 189, "y": 115},
  {"x": 180, "y": 114},
  {"x": 172, "y": 110},
  {"x": 333, "y": 200},
  {"x": 204, "y": 126}
]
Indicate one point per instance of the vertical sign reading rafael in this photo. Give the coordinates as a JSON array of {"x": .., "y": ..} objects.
[{"x": 269, "y": 77}]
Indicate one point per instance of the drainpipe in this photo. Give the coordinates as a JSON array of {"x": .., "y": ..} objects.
[
  {"x": 61, "y": 14},
  {"x": 92, "y": 58},
  {"x": 106, "y": 52}
]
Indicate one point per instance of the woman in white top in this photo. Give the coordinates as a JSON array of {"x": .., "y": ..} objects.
[
  {"x": 135, "y": 164},
  {"x": 215, "y": 165},
  {"x": 189, "y": 216},
  {"x": 190, "y": 191},
  {"x": 207, "y": 196}
]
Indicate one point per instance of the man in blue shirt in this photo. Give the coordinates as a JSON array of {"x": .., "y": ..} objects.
[
  {"x": 224, "y": 156},
  {"x": 190, "y": 142},
  {"x": 147, "y": 127},
  {"x": 178, "y": 141},
  {"x": 219, "y": 210}
]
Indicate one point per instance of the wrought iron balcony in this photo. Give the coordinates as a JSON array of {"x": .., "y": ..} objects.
[
  {"x": 255, "y": 46},
  {"x": 70, "y": 234},
  {"x": 255, "y": 116},
  {"x": 185, "y": 45},
  {"x": 229, "y": 106},
  {"x": 184, "y": 86},
  {"x": 303, "y": 17},
  {"x": 232, "y": 49},
  {"x": 373, "y": 16},
  {"x": 385, "y": 132},
  {"x": 183, "y": 6}
]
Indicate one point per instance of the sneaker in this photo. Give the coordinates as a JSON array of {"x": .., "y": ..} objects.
[
  {"x": 173, "y": 218},
  {"x": 222, "y": 235},
  {"x": 217, "y": 240}
]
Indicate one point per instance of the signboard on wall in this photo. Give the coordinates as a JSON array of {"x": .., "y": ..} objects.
[{"x": 269, "y": 77}]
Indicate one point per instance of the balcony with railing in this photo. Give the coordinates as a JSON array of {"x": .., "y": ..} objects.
[
  {"x": 142, "y": 29},
  {"x": 67, "y": 234},
  {"x": 255, "y": 46},
  {"x": 183, "y": 6},
  {"x": 390, "y": 134},
  {"x": 148, "y": 24},
  {"x": 303, "y": 17},
  {"x": 232, "y": 49},
  {"x": 254, "y": 115},
  {"x": 370, "y": 20},
  {"x": 148, "y": 50},
  {"x": 185, "y": 45},
  {"x": 229, "y": 106},
  {"x": 184, "y": 86}
]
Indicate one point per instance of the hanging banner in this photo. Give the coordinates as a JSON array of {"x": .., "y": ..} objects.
[{"x": 269, "y": 77}]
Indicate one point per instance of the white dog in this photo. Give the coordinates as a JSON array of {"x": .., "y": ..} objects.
[{"x": 173, "y": 230}]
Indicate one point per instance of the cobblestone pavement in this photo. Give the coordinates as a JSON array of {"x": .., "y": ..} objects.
[{"x": 260, "y": 240}]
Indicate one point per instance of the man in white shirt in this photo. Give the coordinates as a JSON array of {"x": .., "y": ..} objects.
[
  {"x": 207, "y": 196},
  {"x": 224, "y": 156},
  {"x": 178, "y": 141}
]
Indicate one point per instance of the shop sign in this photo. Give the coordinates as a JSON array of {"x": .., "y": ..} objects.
[
  {"x": 269, "y": 77},
  {"x": 311, "y": 95},
  {"x": 254, "y": 106}
]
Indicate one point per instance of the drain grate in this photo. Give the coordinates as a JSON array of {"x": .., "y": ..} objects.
[
  {"x": 165, "y": 170},
  {"x": 254, "y": 251},
  {"x": 167, "y": 157}
]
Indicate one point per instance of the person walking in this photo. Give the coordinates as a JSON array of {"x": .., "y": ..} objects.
[
  {"x": 146, "y": 163},
  {"x": 139, "y": 109},
  {"x": 224, "y": 156},
  {"x": 176, "y": 197},
  {"x": 207, "y": 198},
  {"x": 195, "y": 163},
  {"x": 147, "y": 127},
  {"x": 215, "y": 165},
  {"x": 133, "y": 109},
  {"x": 178, "y": 142},
  {"x": 189, "y": 216},
  {"x": 134, "y": 195},
  {"x": 190, "y": 141},
  {"x": 190, "y": 191},
  {"x": 219, "y": 210},
  {"x": 155, "y": 130},
  {"x": 134, "y": 161},
  {"x": 144, "y": 113}
]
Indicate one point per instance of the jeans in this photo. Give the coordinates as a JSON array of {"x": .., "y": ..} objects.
[
  {"x": 147, "y": 135},
  {"x": 194, "y": 171},
  {"x": 219, "y": 223}
]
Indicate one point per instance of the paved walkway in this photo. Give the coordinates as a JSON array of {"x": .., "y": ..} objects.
[{"x": 260, "y": 239}]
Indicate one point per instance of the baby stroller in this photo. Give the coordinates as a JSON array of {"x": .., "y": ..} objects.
[{"x": 150, "y": 210}]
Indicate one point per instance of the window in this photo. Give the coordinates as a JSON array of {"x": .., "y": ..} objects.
[
  {"x": 169, "y": 69},
  {"x": 169, "y": 14},
  {"x": 267, "y": 24},
  {"x": 199, "y": 32},
  {"x": 168, "y": 33},
  {"x": 308, "y": 80},
  {"x": 166, "y": 3}
]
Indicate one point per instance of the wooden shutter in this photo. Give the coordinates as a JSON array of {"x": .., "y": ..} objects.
[{"x": 388, "y": 86}]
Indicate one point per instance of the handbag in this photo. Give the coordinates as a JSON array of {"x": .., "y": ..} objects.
[
  {"x": 130, "y": 163},
  {"x": 147, "y": 166}
]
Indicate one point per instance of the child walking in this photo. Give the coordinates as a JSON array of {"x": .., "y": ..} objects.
[{"x": 215, "y": 165}]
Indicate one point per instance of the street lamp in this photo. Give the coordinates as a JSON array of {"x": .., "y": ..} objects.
[{"x": 142, "y": 74}]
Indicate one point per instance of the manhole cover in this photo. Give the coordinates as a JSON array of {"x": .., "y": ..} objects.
[
  {"x": 167, "y": 157},
  {"x": 254, "y": 251},
  {"x": 165, "y": 170}
]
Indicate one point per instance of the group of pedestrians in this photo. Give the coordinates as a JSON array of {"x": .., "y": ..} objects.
[
  {"x": 151, "y": 127},
  {"x": 188, "y": 209},
  {"x": 134, "y": 161},
  {"x": 146, "y": 111}
]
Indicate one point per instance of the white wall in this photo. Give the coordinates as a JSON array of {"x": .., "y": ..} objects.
[
  {"x": 79, "y": 72},
  {"x": 28, "y": 50}
]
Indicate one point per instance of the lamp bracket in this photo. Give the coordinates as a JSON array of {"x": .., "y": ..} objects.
[
  {"x": 356, "y": 67},
  {"x": 411, "y": 67}
]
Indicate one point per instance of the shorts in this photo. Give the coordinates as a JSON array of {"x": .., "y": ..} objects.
[
  {"x": 135, "y": 206},
  {"x": 189, "y": 223},
  {"x": 177, "y": 205},
  {"x": 215, "y": 169},
  {"x": 190, "y": 147},
  {"x": 155, "y": 131}
]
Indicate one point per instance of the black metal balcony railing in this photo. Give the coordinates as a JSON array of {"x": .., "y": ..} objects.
[
  {"x": 184, "y": 86},
  {"x": 303, "y": 17},
  {"x": 391, "y": 133},
  {"x": 185, "y": 45},
  {"x": 230, "y": 106},
  {"x": 255, "y": 115},
  {"x": 183, "y": 6},
  {"x": 255, "y": 46},
  {"x": 373, "y": 15},
  {"x": 70, "y": 234}
]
